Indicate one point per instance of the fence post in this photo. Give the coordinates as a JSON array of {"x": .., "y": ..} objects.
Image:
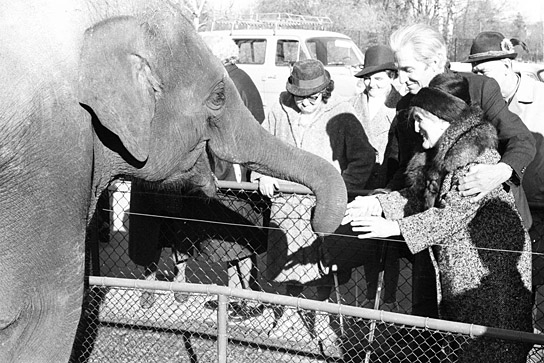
[{"x": 222, "y": 337}]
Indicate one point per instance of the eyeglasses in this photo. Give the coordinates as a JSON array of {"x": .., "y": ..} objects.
[{"x": 312, "y": 98}]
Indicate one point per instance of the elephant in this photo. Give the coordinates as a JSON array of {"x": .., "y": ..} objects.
[{"x": 97, "y": 90}]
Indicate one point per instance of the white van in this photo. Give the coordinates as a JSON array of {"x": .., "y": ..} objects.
[{"x": 268, "y": 54}]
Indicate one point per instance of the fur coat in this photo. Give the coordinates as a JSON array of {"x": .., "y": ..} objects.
[{"x": 481, "y": 251}]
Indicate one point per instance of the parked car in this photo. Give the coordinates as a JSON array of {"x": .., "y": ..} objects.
[
  {"x": 533, "y": 70},
  {"x": 268, "y": 54}
]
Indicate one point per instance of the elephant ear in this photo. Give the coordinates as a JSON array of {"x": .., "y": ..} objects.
[{"x": 117, "y": 82}]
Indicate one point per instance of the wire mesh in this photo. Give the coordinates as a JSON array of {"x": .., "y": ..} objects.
[{"x": 202, "y": 242}]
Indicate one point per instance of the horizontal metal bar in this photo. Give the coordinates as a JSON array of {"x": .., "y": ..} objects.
[{"x": 384, "y": 316}]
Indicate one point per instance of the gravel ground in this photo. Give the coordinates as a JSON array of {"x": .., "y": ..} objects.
[
  {"x": 170, "y": 332},
  {"x": 132, "y": 346}
]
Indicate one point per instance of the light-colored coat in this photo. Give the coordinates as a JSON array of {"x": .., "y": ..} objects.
[
  {"x": 379, "y": 132},
  {"x": 528, "y": 104},
  {"x": 481, "y": 251},
  {"x": 335, "y": 135},
  {"x": 338, "y": 137}
]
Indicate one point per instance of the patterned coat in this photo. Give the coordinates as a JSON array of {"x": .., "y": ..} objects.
[{"x": 481, "y": 251}]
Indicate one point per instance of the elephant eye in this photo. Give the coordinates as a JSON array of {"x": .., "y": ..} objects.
[{"x": 217, "y": 97}]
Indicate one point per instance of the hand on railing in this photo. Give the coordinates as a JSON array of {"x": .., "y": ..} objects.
[{"x": 268, "y": 186}]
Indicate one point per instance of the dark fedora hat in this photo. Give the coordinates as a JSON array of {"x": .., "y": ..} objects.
[
  {"x": 490, "y": 46},
  {"x": 307, "y": 78},
  {"x": 377, "y": 58}
]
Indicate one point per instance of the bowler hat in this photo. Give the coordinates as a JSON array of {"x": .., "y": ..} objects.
[
  {"x": 307, "y": 78},
  {"x": 377, "y": 58},
  {"x": 490, "y": 46}
]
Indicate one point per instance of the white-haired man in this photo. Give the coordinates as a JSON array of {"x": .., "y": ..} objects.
[{"x": 421, "y": 54}]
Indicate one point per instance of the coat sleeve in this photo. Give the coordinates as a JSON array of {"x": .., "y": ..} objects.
[
  {"x": 399, "y": 204},
  {"x": 436, "y": 225},
  {"x": 395, "y": 172},
  {"x": 359, "y": 155},
  {"x": 391, "y": 154},
  {"x": 402, "y": 143},
  {"x": 516, "y": 143},
  {"x": 252, "y": 100}
]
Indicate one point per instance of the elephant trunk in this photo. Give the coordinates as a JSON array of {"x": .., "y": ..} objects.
[
  {"x": 275, "y": 158},
  {"x": 317, "y": 174}
]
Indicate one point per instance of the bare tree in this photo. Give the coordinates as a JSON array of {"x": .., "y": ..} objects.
[
  {"x": 193, "y": 9},
  {"x": 459, "y": 21}
]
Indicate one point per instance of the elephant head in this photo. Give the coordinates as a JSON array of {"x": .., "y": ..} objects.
[
  {"x": 101, "y": 90},
  {"x": 165, "y": 108}
]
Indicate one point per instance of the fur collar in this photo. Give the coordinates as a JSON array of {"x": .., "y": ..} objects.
[{"x": 459, "y": 146}]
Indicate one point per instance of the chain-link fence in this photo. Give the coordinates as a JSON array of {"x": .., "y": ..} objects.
[{"x": 255, "y": 289}]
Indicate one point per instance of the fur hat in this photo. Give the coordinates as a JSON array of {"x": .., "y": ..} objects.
[
  {"x": 377, "y": 58},
  {"x": 441, "y": 104},
  {"x": 307, "y": 78},
  {"x": 453, "y": 83},
  {"x": 489, "y": 46}
]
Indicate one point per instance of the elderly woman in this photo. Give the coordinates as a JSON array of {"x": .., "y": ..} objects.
[{"x": 481, "y": 251}]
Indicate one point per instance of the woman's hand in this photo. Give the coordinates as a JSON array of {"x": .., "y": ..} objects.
[
  {"x": 362, "y": 207},
  {"x": 373, "y": 227},
  {"x": 268, "y": 186}
]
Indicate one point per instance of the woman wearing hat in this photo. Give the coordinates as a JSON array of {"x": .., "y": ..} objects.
[
  {"x": 310, "y": 117},
  {"x": 481, "y": 251},
  {"x": 375, "y": 107}
]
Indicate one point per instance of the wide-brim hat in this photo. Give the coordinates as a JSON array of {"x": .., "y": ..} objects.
[
  {"x": 377, "y": 58},
  {"x": 490, "y": 46},
  {"x": 307, "y": 78}
]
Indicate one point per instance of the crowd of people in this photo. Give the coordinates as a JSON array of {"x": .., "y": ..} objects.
[{"x": 454, "y": 166}]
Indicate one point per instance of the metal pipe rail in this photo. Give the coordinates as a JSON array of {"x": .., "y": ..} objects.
[{"x": 387, "y": 317}]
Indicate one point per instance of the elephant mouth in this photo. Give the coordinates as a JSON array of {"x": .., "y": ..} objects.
[{"x": 196, "y": 174}]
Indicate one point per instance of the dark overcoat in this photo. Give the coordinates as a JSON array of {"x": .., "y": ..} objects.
[{"x": 481, "y": 251}]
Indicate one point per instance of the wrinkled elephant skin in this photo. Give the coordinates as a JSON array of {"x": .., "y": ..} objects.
[{"x": 96, "y": 90}]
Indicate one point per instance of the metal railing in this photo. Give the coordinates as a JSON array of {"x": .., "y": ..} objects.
[
  {"x": 258, "y": 323},
  {"x": 274, "y": 21}
]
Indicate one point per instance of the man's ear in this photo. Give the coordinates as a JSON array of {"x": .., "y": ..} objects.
[
  {"x": 437, "y": 64},
  {"x": 507, "y": 63}
]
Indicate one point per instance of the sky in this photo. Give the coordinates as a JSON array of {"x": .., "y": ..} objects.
[{"x": 532, "y": 10}]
